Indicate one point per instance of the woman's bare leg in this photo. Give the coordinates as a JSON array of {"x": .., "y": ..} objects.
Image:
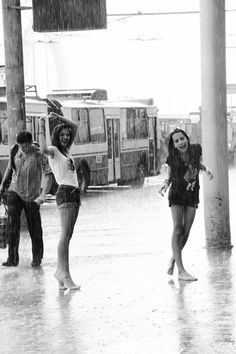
[
  {"x": 178, "y": 213},
  {"x": 188, "y": 218},
  {"x": 68, "y": 217},
  {"x": 171, "y": 266},
  {"x": 177, "y": 217}
]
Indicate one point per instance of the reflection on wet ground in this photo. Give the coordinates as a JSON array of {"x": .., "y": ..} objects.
[{"x": 127, "y": 303}]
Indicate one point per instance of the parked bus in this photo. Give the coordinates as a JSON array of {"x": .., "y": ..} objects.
[
  {"x": 116, "y": 142},
  {"x": 189, "y": 123}
]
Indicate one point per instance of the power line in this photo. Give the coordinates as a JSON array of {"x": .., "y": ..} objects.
[{"x": 139, "y": 13}]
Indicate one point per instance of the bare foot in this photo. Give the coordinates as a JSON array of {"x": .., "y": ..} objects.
[
  {"x": 60, "y": 283},
  {"x": 71, "y": 285},
  {"x": 171, "y": 265},
  {"x": 66, "y": 282},
  {"x": 186, "y": 276}
]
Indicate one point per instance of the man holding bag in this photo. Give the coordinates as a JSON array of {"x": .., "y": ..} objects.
[{"x": 25, "y": 168}]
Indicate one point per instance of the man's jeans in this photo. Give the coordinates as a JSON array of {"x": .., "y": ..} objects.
[{"x": 15, "y": 206}]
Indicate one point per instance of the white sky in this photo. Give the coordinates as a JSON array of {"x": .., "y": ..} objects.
[{"x": 140, "y": 56}]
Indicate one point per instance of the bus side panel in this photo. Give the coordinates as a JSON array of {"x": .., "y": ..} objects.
[
  {"x": 3, "y": 166},
  {"x": 98, "y": 169},
  {"x": 128, "y": 163}
]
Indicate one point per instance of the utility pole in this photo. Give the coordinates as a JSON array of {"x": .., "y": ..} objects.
[
  {"x": 214, "y": 123},
  {"x": 15, "y": 87}
]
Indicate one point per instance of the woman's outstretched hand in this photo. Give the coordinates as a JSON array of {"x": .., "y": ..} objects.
[
  {"x": 163, "y": 189},
  {"x": 40, "y": 200},
  {"x": 209, "y": 174},
  {"x": 42, "y": 120},
  {"x": 53, "y": 115}
]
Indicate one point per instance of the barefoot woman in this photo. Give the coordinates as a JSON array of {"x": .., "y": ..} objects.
[
  {"x": 184, "y": 163},
  {"x": 68, "y": 194}
]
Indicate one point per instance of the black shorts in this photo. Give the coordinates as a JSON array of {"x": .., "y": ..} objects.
[
  {"x": 67, "y": 194},
  {"x": 183, "y": 197}
]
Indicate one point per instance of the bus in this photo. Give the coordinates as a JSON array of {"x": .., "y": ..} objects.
[
  {"x": 190, "y": 123},
  {"x": 116, "y": 141}
]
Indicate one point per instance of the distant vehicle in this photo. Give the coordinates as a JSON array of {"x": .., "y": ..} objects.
[
  {"x": 78, "y": 94},
  {"x": 192, "y": 125},
  {"x": 231, "y": 132},
  {"x": 168, "y": 122},
  {"x": 116, "y": 142}
]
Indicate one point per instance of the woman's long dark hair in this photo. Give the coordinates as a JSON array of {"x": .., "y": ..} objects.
[
  {"x": 174, "y": 154},
  {"x": 171, "y": 148},
  {"x": 55, "y": 137}
]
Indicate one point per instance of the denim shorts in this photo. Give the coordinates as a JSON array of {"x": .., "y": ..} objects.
[{"x": 67, "y": 194}]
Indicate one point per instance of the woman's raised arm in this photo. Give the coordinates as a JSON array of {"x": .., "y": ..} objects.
[
  {"x": 42, "y": 137},
  {"x": 66, "y": 121}
]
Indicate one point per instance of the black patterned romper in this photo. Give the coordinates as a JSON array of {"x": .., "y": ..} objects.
[{"x": 184, "y": 189}]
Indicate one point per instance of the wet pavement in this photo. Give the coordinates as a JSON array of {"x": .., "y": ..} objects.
[{"x": 127, "y": 303}]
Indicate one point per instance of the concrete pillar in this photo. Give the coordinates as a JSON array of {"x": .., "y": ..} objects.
[
  {"x": 14, "y": 68},
  {"x": 214, "y": 123}
]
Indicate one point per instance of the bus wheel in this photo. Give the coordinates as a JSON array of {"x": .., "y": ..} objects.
[
  {"x": 120, "y": 182},
  {"x": 139, "y": 180},
  {"x": 83, "y": 179}
]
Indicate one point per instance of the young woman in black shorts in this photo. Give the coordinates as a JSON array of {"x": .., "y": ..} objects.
[
  {"x": 184, "y": 164},
  {"x": 68, "y": 193}
]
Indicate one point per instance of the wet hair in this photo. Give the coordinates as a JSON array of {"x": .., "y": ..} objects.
[
  {"x": 171, "y": 147},
  {"x": 55, "y": 137},
  {"x": 24, "y": 137},
  {"x": 174, "y": 154}
]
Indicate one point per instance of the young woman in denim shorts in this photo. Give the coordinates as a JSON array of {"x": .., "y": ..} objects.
[
  {"x": 68, "y": 193},
  {"x": 184, "y": 164}
]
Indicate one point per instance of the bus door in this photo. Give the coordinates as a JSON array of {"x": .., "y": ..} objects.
[
  {"x": 31, "y": 126},
  {"x": 113, "y": 139},
  {"x": 154, "y": 145}
]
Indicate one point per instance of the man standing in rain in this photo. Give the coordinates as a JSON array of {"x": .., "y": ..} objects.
[{"x": 25, "y": 168}]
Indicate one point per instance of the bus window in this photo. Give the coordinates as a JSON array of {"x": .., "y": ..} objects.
[
  {"x": 188, "y": 129},
  {"x": 4, "y": 131},
  {"x": 109, "y": 138},
  {"x": 97, "y": 126},
  {"x": 29, "y": 122},
  {"x": 83, "y": 129},
  {"x": 130, "y": 123},
  {"x": 32, "y": 126},
  {"x": 80, "y": 116},
  {"x": 141, "y": 128},
  {"x": 136, "y": 123},
  {"x": 116, "y": 137}
]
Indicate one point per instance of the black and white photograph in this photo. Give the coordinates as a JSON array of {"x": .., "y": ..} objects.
[{"x": 117, "y": 176}]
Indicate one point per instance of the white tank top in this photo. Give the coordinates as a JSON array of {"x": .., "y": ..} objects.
[{"x": 63, "y": 168}]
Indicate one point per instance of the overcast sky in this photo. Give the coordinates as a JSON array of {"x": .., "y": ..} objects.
[{"x": 141, "y": 56}]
